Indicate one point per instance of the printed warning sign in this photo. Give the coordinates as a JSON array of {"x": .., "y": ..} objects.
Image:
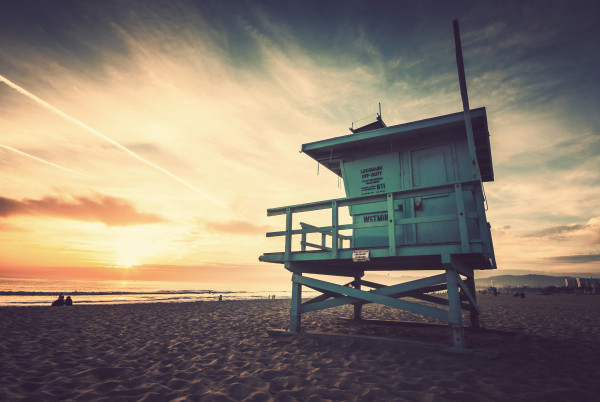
[
  {"x": 372, "y": 175},
  {"x": 360, "y": 256},
  {"x": 372, "y": 181}
]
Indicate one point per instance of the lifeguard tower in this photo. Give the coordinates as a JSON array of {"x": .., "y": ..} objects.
[{"x": 415, "y": 196}]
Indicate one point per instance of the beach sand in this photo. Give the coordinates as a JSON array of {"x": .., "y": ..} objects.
[{"x": 548, "y": 350}]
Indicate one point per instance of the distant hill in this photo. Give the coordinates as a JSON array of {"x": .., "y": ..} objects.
[{"x": 531, "y": 280}]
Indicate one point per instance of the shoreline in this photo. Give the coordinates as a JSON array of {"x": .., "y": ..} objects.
[{"x": 221, "y": 351}]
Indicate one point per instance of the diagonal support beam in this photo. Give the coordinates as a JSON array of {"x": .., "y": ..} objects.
[
  {"x": 391, "y": 291},
  {"x": 324, "y": 296},
  {"x": 374, "y": 297},
  {"x": 467, "y": 292}
]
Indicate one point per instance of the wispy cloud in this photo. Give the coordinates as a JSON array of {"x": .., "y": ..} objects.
[
  {"x": 557, "y": 230},
  {"x": 38, "y": 159},
  {"x": 107, "y": 139},
  {"x": 237, "y": 227},
  {"x": 101, "y": 208},
  {"x": 576, "y": 259}
]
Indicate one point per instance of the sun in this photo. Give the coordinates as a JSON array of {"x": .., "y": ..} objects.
[{"x": 130, "y": 251}]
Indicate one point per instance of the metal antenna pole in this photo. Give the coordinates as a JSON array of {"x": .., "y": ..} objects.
[{"x": 465, "y": 100}]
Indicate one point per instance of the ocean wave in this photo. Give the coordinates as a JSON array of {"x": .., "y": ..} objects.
[{"x": 115, "y": 293}]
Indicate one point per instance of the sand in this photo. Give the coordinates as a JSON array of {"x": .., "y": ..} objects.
[{"x": 548, "y": 350}]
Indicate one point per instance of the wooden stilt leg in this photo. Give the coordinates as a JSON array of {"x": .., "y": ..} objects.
[
  {"x": 357, "y": 306},
  {"x": 296, "y": 307},
  {"x": 454, "y": 313},
  {"x": 470, "y": 282}
]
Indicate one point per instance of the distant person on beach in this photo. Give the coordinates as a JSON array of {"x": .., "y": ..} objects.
[
  {"x": 68, "y": 301},
  {"x": 220, "y": 297},
  {"x": 60, "y": 301}
]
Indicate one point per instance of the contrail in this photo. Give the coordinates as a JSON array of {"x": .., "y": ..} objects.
[
  {"x": 110, "y": 140},
  {"x": 38, "y": 159}
]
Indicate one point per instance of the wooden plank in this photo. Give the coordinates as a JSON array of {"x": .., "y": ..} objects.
[
  {"x": 427, "y": 219},
  {"x": 363, "y": 225},
  {"x": 391, "y": 225},
  {"x": 375, "y": 296},
  {"x": 462, "y": 220},
  {"x": 357, "y": 313},
  {"x": 296, "y": 304},
  {"x": 349, "y": 201},
  {"x": 455, "y": 312},
  {"x": 346, "y": 254},
  {"x": 467, "y": 292},
  {"x": 474, "y": 316},
  {"x": 326, "y": 295},
  {"x": 334, "y": 230},
  {"x": 288, "y": 234},
  {"x": 321, "y": 297},
  {"x": 304, "y": 244},
  {"x": 326, "y": 230}
]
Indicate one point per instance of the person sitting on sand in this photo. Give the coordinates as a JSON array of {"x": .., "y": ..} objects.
[
  {"x": 60, "y": 301},
  {"x": 68, "y": 301},
  {"x": 220, "y": 297}
]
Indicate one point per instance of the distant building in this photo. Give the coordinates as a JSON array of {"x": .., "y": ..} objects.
[{"x": 571, "y": 283}]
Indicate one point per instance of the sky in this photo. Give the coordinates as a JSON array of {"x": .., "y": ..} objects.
[{"x": 146, "y": 139}]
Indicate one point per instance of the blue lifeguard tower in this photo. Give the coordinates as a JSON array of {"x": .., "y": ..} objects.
[{"x": 414, "y": 193}]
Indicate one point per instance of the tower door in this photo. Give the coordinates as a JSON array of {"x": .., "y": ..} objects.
[{"x": 434, "y": 166}]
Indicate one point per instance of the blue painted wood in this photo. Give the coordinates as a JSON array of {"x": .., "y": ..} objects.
[
  {"x": 404, "y": 251},
  {"x": 377, "y": 296},
  {"x": 474, "y": 310},
  {"x": 454, "y": 312},
  {"x": 334, "y": 230},
  {"x": 351, "y": 201},
  {"x": 415, "y": 195},
  {"x": 392, "y": 291},
  {"x": 288, "y": 234},
  {"x": 462, "y": 219},
  {"x": 468, "y": 293},
  {"x": 391, "y": 235},
  {"x": 296, "y": 305}
]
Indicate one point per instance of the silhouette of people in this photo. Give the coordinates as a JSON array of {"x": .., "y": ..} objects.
[
  {"x": 60, "y": 301},
  {"x": 220, "y": 297},
  {"x": 68, "y": 301}
]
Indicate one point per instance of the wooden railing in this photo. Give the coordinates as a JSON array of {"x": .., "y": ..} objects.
[{"x": 334, "y": 229}]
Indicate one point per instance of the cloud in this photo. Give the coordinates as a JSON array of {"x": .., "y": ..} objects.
[
  {"x": 576, "y": 259},
  {"x": 111, "y": 211},
  {"x": 585, "y": 234},
  {"x": 36, "y": 158},
  {"x": 556, "y": 230},
  {"x": 237, "y": 227}
]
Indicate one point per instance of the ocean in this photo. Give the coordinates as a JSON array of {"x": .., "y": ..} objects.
[{"x": 42, "y": 292}]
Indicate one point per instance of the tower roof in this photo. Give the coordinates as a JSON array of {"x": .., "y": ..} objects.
[{"x": 331, "y": 151}]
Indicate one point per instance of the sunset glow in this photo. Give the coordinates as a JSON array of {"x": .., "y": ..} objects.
[{"x": 153, "y": 136}]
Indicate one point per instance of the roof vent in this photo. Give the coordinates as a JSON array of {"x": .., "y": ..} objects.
[{"x": 371, "y": 122}]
